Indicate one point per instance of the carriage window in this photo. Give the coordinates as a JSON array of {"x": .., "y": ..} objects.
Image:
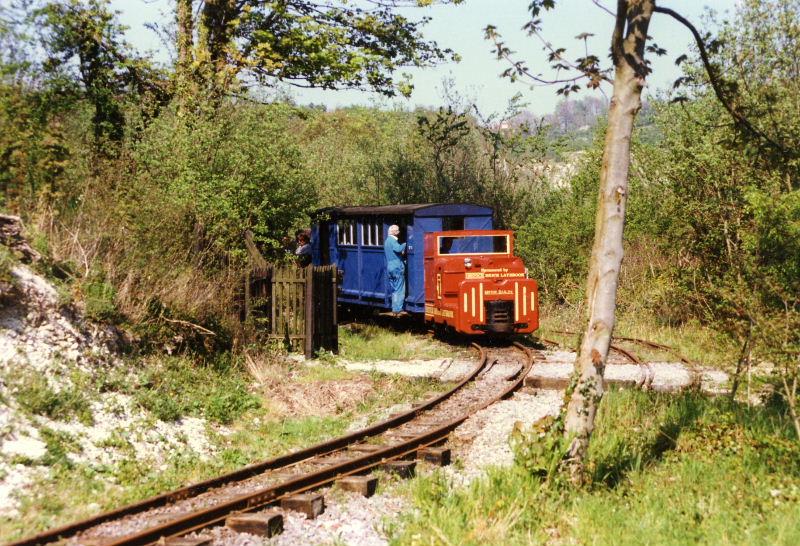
[
  {"x": 452, "y": 223},
  {"x": 346, "y": 230},
  {"x": 372, "y": 233},
  {"x": 474, "y": 244}
]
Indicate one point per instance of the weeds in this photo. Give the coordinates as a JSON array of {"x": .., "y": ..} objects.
[
  {"x": 59, "y": 444},
  {"x": 369, "y": 342},
  {"x": 692, "y": 340},
  {"x": 216, "y": 389},
  {"x": 99, "y": 300},
  {"x": 173, "y": 387},
  {"x": 36, "y": 396},
  {"x": 664, "y": 470},
  {"x": 7, "y": 263}
]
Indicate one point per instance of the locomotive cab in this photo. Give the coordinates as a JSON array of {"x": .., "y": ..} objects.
[{"x": 475, "y": 284}]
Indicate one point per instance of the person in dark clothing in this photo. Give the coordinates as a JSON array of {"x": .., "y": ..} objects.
[{"x": 303, "y": 252}]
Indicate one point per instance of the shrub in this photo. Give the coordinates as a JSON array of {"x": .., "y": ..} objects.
[
  {"x": 174, "y": 387},
  {"x": 7, "y": 263},
  {"x": 99, "y": 300},
  {"x": 34, "y": 394}
]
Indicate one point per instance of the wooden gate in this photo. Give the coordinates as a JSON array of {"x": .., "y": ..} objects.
[{"x": 294, "y": 305}]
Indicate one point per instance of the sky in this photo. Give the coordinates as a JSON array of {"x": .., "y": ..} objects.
[{"x": 461, "y": 28}]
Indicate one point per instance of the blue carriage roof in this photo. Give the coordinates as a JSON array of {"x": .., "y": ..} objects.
[{"x": 419, "y": 209}]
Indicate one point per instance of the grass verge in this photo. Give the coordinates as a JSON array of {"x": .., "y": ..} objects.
[
  {"x": 369, "y": 342},
  {"x": 665, "y": 470},
  {"x": 691, "y": 339}
]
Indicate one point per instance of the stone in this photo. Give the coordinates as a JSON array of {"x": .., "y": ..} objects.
[
  {"x": 366, "y": 448},
  {"x": 310, "y": 504},
  {"x": 183, "y": 541},
  {"x": 363, "y": 485},
  {"x": 264, "y": 524},
  {"x": 94, "y": 541}
]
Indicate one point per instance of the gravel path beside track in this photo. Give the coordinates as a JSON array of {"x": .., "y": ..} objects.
[{"x": 482, "y": 440}]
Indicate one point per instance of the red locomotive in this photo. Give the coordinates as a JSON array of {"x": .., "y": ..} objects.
[{"x": 475, "y": 284}]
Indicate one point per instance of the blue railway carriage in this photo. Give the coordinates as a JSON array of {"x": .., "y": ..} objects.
[{"x": 353, "y": 237}]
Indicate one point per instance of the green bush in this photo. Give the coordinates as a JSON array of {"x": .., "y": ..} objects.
[
  {"x": 99, "y": 300},
  {"x": 665, "y": 469},
  {"x": 557, "y": 236},
  {"x": 35, "y": 395},
  {"x": 174, "y": 387}
]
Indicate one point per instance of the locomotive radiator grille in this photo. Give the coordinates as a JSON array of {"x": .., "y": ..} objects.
[{"x": 500, "y": 314}]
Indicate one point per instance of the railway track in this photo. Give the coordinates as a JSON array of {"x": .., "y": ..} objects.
[
  {"x": 629, "y": 357},
  {"x": 248, "y": 497},
  {"x": 693, "y": 368}
]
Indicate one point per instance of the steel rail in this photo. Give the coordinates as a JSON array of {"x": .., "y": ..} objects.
[
  {"x": 694, "y": 368},
  {"x": 647, "y": 375},
  {"x": 268, "y": 496},
  {"x": 645, "y": 342},
  {"x": 323, "y": 448}
]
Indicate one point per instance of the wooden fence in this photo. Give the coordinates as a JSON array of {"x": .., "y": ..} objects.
[{"x": 293, "y": 304}]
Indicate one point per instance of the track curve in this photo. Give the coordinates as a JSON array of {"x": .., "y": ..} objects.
[{"x": 313, "y": 470}]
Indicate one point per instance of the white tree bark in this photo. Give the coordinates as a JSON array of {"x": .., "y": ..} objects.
[{"x": 633, "y": 17}]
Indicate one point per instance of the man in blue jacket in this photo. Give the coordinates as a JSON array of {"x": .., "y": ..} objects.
[{"x": 396, "y": 268}]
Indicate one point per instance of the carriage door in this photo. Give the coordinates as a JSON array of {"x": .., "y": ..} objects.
[{"x": 324, "y": 243}]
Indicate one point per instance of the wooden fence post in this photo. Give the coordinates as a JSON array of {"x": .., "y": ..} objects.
[
  {"x": 310, "y": 314},
  {"x": 335, "y": 304},
  {"x": 297, "y": 305}
]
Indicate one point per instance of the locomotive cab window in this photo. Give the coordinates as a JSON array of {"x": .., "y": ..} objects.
[
  {"x": 372, "y": 233},
  {"x": 346, "y": 232},
  {"x": 473, "y": 244}
]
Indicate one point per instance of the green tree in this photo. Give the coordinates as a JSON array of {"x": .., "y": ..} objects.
[
  {"x": 737, "y": 190},
  {"x": 84, "y": 44},
  {"x": 33, "y": 152},
  {"x": 331, "y": 45}
]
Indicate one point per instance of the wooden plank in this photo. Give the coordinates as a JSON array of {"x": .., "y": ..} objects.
[
  {"x": 292, "y": 303},
  {"x": 310, "y": 504},
  {"x": 363, "y": 485},
  {"x": 256, "y": 258},
  {"x": 273, "y": 305},
  {"x": 299, "y": 302},
  {"x": 248, "y": 310},
  {"x": 333, "y": 342},
  {"x": 265, "y": 524},
  {"x": 309, "y": 315}
]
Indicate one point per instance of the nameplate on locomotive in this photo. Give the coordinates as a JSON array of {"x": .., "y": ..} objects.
[{"x": 502, "y": 273}]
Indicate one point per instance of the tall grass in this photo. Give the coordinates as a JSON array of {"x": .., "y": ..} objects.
[
  {"x": 665, "y": 469},
  {"x": 370, "y": 342}
]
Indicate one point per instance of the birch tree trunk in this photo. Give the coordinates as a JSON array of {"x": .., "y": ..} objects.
[{"x": 627, "y": 47}]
